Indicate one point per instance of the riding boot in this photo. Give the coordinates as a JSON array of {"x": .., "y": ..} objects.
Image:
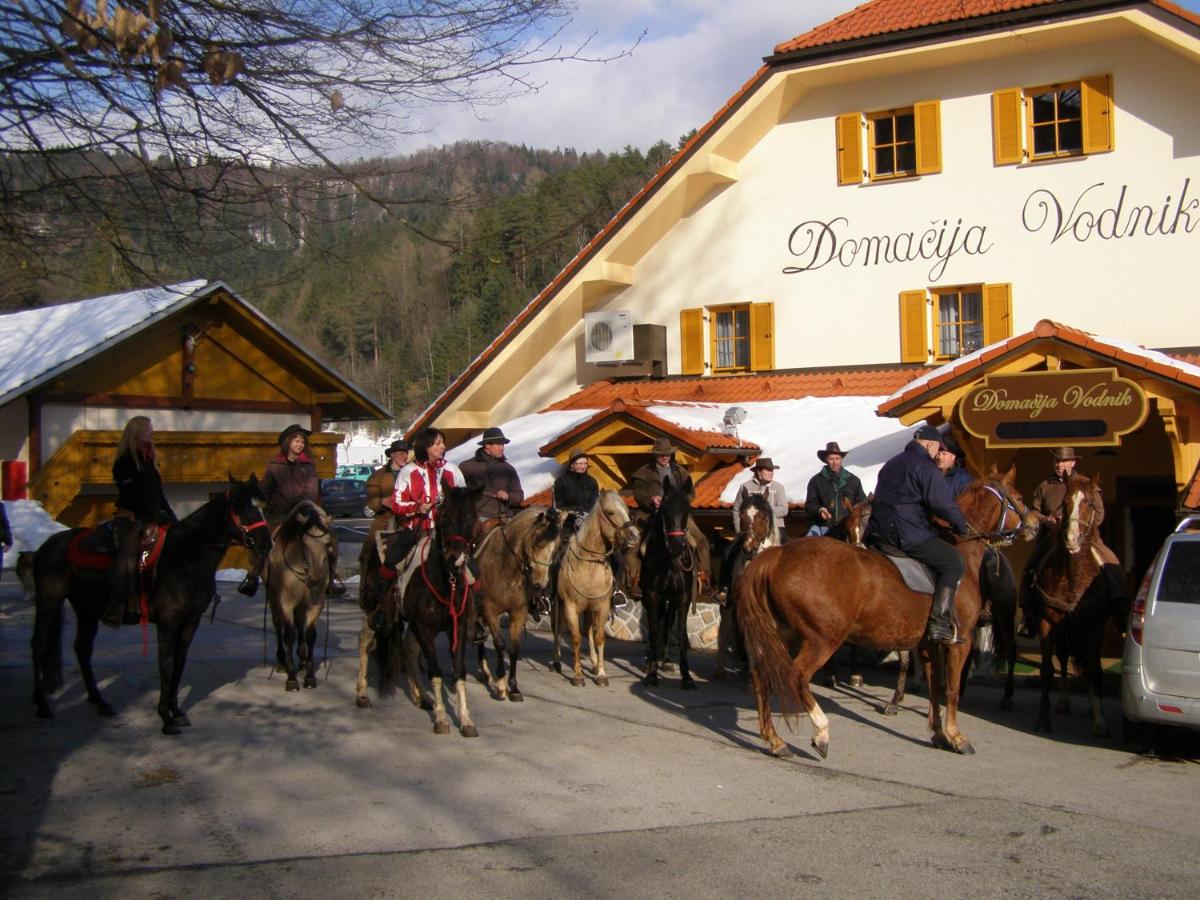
[
  {"x": 335, "y": 588},
  {"x": 942, "y": 628},
  {"x": 249, "y": 585},
  {"x": 122, "y": 575}
]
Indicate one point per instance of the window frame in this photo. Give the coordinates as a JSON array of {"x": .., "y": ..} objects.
[
  {"x": 1030, "y": 94},
  {"x": 714, "y": 340},
  {"x": 895, "y": 144},
  {"x": 958, "y": 290}
]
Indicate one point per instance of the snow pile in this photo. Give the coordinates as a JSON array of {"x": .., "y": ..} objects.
[{"x": 30, "y": 524}]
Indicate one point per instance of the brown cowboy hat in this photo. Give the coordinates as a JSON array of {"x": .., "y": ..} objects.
[
  {"x": 763, "y": 462},
  {"x": 831, "y": 447},
  {"x": 663, "y": 447},
  {"x": 399, "y": 445},
  {"x": 1062, "y": 454}
]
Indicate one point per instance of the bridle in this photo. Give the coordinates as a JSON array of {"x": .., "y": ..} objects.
[
  {"x": 1000, "y": 535},
  {"x": 1085, "y": 531},
  {"x": 244, "y": 529},
  {"x": 683, "y": 561}
]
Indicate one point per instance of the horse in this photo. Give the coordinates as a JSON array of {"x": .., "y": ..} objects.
[
  {"x": 824, "y": 593},
  {"x": 297, "y": 573},
  {"x": 585, "y": 581},
  {"x": 1074, "y": 586},
  {"x": 757, "y": 530},
  {"x": 377, "y": 613},
  {"x": 182, "y": 590},
  {"x": 514, "y": 565},
  {"x": 667, "y": 579},
  {"x": 437, "y": 598}
]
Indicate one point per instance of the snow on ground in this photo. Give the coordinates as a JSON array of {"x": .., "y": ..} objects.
[
  {"x": 364, "y": 447},
  {"x": 30, "y": 524}
]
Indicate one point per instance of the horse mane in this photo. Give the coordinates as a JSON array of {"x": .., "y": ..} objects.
[{"x": 304, "y": 515}]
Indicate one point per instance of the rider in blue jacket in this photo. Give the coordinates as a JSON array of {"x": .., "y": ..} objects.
[{"x": 910, "y": 490}]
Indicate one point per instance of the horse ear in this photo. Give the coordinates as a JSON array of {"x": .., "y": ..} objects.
[
  {"x": 1096, "y": 481},
  {"x": 847, "y": 505},
  {"x": 871, "y": 497},
  {"x": 993, "y": 473},
  {"x": 1010, "y": 476},
  {"x": 253, "y": 481}
]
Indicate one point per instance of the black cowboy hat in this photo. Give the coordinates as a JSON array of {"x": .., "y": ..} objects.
[
  {"x": 293, "y": 429},
  {"x": 493, "y": 435},
  {"x": 763, "y": 462},
  {"x": 663, "y": 447},
  {"x": 831, "y": 447},
  {"x": 398, "y": 445},
  {"x": 1064, "y": 454}
]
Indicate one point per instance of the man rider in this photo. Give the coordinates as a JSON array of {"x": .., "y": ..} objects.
[
  {"x": 909, "y": 491},
  {"x": 502, "y": 491},
  {"x": 828, "y": 488}
]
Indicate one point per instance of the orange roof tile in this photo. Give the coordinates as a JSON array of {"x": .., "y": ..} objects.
[
  {"x": 700, "y": 441},
  {"x": 864, "y": 381},
  {"x": 1043, "y": 330},
  {"x": 708, "y": 489},
  {"x": 894, "y": 17}
]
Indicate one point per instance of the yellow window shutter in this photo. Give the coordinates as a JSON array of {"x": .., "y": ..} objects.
[
  {"x": 1096, "y": 96},
  {"x": 997, "y": 312},
  {"x": 927, "y": 124},
  {"x": 849, "y": 148},
  {"x": 914, "y": 344},
  {"x": 762, "y": 337},
  {"x": 1006, "y": 126},
  {"x": 691, "y": 341}
]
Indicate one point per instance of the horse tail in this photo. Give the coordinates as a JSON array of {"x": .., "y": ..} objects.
[{"x": 766, "y": 651}]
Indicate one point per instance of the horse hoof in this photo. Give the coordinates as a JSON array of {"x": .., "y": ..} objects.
[
  {"x": 781, "y": 751},
  {"x": 602, "y": 681},
  {"x": 171, "y": 728},
  {"x": 578, "y": 681},
  {"x": 1063, "y": 707},
  {"x": 183, "y": 721},
  {"x": 650, "y": 681},
  {"x": 103, "y": 709},
  {"x": 891, "y": 709},
  {"x": 310, "y": 682},
  {"x": 688, "y": 685},
  {"x": 469, "y": 731},
  {"x": 291, "y": 685},
  {"x": 822, "y": 747},
  {"x": 856, "y": 681},
  {"x": 362, "y": 702},
  {"x": 556, "y": 667},
  {"x": 964, "y": 748},
  {"x": 441, "y": 727},
  {"x": 516, "y": 697}
]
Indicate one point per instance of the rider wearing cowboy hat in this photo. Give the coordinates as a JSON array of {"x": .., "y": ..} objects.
[
  {"x": 488, "y": 469},
  {"x": 763, "y": 482},
  {"x": 575, "y": 493},
  {"x": 828, "y": 488}
]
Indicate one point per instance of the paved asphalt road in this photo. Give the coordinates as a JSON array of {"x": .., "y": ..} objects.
[{"x": 590, "y": 792}]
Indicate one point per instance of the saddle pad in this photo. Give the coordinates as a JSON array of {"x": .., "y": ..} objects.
[
  {"x": 917, "y": 576},
  {"x": 81, "y": 556}
]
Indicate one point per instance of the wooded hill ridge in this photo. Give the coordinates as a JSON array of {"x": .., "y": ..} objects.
[{"x": 399, "y": 280}]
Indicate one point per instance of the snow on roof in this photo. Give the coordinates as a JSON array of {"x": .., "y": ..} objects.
[{"x": 36, "y": 343}]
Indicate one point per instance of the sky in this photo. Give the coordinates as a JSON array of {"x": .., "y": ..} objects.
[{"x": 694, "y": 55}]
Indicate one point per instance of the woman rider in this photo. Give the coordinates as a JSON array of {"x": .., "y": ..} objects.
[{"x": 141, "y": 504}]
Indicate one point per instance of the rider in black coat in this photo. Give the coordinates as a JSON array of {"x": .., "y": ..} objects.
[{"x": 911, "y": 489}]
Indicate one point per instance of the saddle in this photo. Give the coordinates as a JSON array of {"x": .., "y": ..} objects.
[
  {"x": 917, "y": 576},
  {"x": 93, "y": 548}
]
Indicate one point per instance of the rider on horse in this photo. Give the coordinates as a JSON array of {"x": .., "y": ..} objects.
[
  {"x": 419, "y": 487},
  {"x": 764, "y": 484},
  {"x": 575, "y": 493},
  {"x": 910, "y": 490},
  {"x": 502, "y": 491},
  {"x": 141, "y": 503},
  {"x": 828, "y": 488}
]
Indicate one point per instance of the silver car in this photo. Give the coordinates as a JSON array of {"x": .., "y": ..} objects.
[{"x": 1160, "y": 668}]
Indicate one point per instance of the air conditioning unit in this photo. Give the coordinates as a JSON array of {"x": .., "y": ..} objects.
[{"x": 608, "y": 336}]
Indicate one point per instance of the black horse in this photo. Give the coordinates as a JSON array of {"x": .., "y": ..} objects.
[
  {"x": 438, "y": 597},
  {"x": 756, "y": 531},
  {"x": 183, "y": 588},
  {"x": 667, "y": 581}
]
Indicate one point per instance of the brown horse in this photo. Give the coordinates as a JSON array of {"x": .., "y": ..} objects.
[
  {"x": 1078, "y": 594},
  {"x": 297, "y": 573},
  {"x": 756, "y": 532},
  {"x": 514, "y": 566},
  {"x": 824, "y": 593}
]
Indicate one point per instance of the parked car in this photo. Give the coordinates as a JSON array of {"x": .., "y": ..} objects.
[
  {"x": 1160, "y": 668},
  {"x": 357, "y": 471},
  {"x": 344, "y": 497}
]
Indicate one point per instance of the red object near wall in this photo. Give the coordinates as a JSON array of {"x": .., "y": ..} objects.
[{"x": 15, "y": 477}]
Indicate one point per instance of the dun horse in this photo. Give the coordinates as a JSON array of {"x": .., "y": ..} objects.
[
  {"x": 514, "y": 565},
  {"x": 182, "y": 590},
  {"x": 1077, "y": 595},
  {"x": 297, "y": 573},
  {"x": 668, "y": 580},
  {"x": 824, "y": 593},
  {"x": 585, "y": 581}
]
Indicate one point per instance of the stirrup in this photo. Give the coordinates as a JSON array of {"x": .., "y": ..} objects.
[{"x": 619, "y": 599}]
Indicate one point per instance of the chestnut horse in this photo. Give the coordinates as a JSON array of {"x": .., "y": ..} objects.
[
  {"x": 824, "y": 593},
  {"x": 1078, "y": 593}
]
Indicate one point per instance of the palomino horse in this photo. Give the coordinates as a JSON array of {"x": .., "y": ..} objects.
[
  {"x": 585, "y": 581},
  {"x": 1077, "y": 596},
  {"x": 824, "y": 593},
  {"x": 668, "y": 575},
  {"x": 514, "y": 566},
  {"x": 438, "y": 598},
  {"x": 182, "y": 590},
  {"x": 756, "y": 532},
  {"x": 297, "y": 573}
]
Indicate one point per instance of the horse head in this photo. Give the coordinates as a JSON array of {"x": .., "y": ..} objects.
[
  {"x": 672, "y": 521},
  {"x": 538, "y": 550},
  {"x": 857, "y": 517},
  {"x": 995, "y": 509},
  {"x": 1079, "y": 511},
  {"x": 245, "y": 523},
  {"x": 455, "y": 529},
  {"x": 756, "y": 524}
]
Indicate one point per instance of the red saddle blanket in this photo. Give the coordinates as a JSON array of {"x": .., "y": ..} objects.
[{"x": 81, "y": 557}]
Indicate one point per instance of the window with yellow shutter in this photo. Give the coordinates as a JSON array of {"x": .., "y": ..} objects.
[
  {"x": 904, "y": 142},
  {"x": 1074, "y": 118},
  {"x": 740, "y": 338},
  {"x": 965, "y": 318}
]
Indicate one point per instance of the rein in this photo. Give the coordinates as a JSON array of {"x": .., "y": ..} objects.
[
  {"x": 1000, "y": 535},
  {"x": 456, "y": 610}
]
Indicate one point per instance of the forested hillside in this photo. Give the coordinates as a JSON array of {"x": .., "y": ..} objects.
[{"x": 398, "y": 281}]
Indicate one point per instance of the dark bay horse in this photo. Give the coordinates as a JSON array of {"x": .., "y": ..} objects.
[
  {"x": 668, "y": 577},
  {"x": 756, "y": 532},
  {"x": 1077, "y": 596},
  {"x": 297, "y": 573},
  {"x": 821, "y": 594},
  {"x": 514, "y": 566},
  {"x": 438, "y": 599},
  {"x": 182, "y": 590}
]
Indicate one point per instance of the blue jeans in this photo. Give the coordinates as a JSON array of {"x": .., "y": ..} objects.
[{"x": 818, "y": 531}]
